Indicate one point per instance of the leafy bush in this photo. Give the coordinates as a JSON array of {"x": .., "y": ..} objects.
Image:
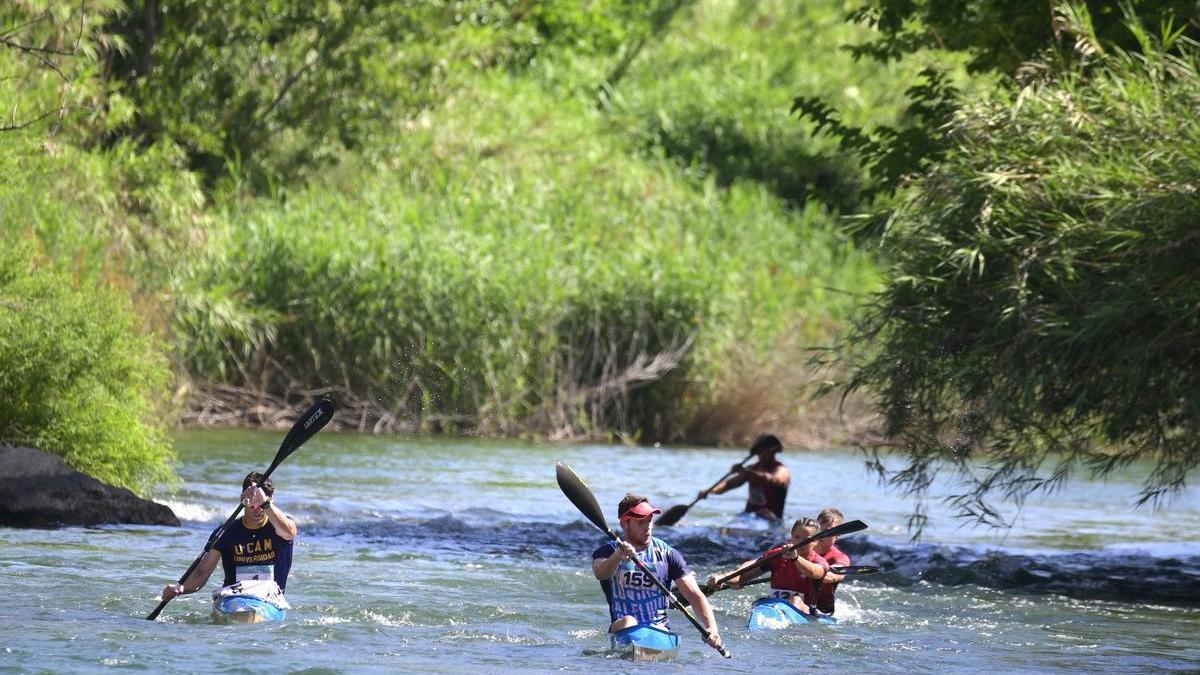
[{"x": 80, "y": 379}]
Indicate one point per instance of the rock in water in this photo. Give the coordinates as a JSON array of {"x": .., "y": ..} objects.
[{"x": 38, "y": 489}]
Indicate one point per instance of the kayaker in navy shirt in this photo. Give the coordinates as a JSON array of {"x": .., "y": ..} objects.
[
  {"x": 257, "y": 546},
  {"x": 632, "y": 598}
]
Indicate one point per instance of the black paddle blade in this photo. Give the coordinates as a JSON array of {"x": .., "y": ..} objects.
[
  {"x": 583, "y": 499},
  {"x": 313, "y": 420},
  {"x": 836, "y": 531},
  {"x": 672, "y": 515},
  {"x": 853, "y": 569}
]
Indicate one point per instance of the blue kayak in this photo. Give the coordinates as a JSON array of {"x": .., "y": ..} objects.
[
  {"x": 778, "y": 614},
  {"x": 646, "y": 643},
  {"x": 245, "y": 609}
]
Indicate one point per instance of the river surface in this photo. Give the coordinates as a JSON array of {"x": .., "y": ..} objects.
[{"x": 435, "y": 555}]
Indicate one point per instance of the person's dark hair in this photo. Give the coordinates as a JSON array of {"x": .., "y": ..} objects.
[
  {"x": 628, "y": 502},
  {"x": 806, "y": 523},
  {"x": 261, "y": 481},
  {"x": 766, "y": 443}
]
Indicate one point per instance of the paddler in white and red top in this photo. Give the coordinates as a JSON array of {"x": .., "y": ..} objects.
[
  {"x": 827, "y": 549},
  {"x": 794, "y": 575}
]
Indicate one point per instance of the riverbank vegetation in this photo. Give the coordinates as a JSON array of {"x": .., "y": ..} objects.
[
  {"x": 474, "y": 218},
  {"x": 1039, "y": 314},
  {"x": 625, "y": 220}
]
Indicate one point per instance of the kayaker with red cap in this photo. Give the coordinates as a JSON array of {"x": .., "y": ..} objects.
[{"x": 633, "y": 599}]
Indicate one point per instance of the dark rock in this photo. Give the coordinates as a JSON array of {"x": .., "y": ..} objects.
[{"x": 38, "y": 489}]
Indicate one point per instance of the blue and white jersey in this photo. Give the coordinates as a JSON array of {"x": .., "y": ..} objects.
[{"x": 631, "y": 593}]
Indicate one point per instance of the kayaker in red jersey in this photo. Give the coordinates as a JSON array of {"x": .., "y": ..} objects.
[
  {"x": 256, "y": 547},
  {"x": 794, "y": 575},
  {"x": 768, "y": 479},
  {"x": 827, "y": 549}
]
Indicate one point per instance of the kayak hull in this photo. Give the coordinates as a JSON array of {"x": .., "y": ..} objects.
[
  {"x": 245, "y": 609},
  {"x": 779, "y": 614},
  {"x": 645, "y": 643}
]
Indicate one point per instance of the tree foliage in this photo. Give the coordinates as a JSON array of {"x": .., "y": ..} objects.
[
  {"x": 272, "y": 89},
  {"x": 1041, "y": 309},
  {"x": 1001, "y": 35},
  {"x": 999, "y": 38}
]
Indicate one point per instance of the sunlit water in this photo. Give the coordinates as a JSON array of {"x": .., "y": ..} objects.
[{"x": 453, "y": 556}]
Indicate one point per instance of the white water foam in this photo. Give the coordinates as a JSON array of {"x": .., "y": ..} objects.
[{"x": 191, "y": 511}]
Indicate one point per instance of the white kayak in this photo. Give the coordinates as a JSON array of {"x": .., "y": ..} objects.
[{"x": 249, "y": 602}]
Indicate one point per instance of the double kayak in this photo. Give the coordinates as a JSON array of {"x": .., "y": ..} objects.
[
  {"x": 645, "y": 643},
  {"x": 779, "y": 614},
  {"x": 249, "y": 602}
]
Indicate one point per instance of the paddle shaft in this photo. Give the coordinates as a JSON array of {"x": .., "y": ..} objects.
[
  {"x": 312, "y": 421},
  {"x": 846, "y": 571},
  {"x": 212, "y": 541},
  {"x": 678, "y": 512},
  {"x": 678, "y": 604},
  {"x": 724, "y": 478},
  {"x": 838, "y": 530}
]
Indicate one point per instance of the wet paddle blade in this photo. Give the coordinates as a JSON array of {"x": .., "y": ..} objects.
[
  {"x": 836, "y": 531},
  {"x": 577, "y": 491},
  {"x": 853, "y": 569},
  {"x": 307, "y": 425},
  {"x": 672, "y": 515}
]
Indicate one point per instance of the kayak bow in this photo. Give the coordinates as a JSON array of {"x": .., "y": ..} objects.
[
  {"x": 778, "y": 614},
  {"x": 645, "y": 643}
]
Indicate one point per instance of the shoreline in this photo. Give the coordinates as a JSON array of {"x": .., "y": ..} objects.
[{"x": 728, "y": 424}]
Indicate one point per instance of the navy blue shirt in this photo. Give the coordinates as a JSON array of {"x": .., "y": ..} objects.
[{"x": 248, "y": 554}]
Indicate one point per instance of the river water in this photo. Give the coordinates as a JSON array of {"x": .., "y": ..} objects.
[{"x": 435, "y": 555}]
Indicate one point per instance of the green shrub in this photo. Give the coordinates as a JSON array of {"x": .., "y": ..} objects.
[{"x": 79, "y": 378}]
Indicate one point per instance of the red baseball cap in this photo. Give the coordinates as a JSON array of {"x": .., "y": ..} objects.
[{"x": 640, "y": 510}]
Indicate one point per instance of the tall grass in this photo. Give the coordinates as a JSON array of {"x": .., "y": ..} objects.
[{"x": 519, "y": 270}]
